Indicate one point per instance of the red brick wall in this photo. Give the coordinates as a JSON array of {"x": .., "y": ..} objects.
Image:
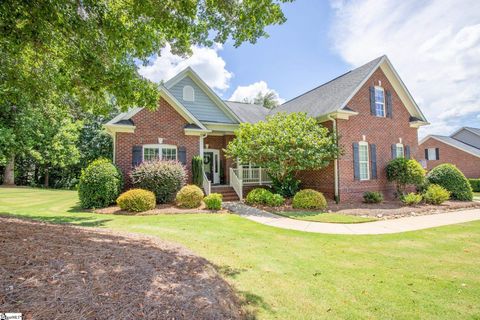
[
  {"x": 377, "y": 130},
  {"x": 164, "y": 123},
  {"x": 466, "y": 162}
]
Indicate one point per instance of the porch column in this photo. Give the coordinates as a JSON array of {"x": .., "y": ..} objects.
[{"x": 201, "y": 145}]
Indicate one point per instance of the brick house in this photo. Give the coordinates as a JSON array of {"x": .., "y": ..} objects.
[
  {"x": 462, "y": 148},
  {"x": 369, "y": 107}
]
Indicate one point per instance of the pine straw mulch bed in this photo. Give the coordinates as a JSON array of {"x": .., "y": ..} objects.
[
  {"x": 64, "y": 272},
  {"x": 166, "y": 208},
  {"x": 392, "y": 209}
]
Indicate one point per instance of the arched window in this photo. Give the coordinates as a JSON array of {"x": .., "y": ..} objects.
[{"x": 188, "y": 93}]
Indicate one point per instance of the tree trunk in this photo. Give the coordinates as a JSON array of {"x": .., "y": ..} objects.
[
  {"x": 9, "y": 175},
  {"x": 46, "y": 177}
]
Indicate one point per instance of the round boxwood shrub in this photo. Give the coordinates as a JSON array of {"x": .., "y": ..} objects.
[
  {"x": 436, "y": 194},
  {"x": 275, "y": 200},
  {"x": 412, "y": 199},
  {"x": 213, "y": 201},
  {"x": 163, "y": 178},
  {"x": 452, "y": 179},
  {"x": 372, "y": 197},
  {"x": 258, "y": 196},
  {"x": 100, "y": 184},
  {"x": 136, "y": 200},
  {"x": 309, "y": 199},
  {"x": 190, "y": 196}
]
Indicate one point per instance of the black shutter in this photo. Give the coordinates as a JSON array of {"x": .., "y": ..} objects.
[
  {"x": 182, "y": 155},
  {"x": 437, "y": 153},
  {"x": 356, "y": 163},
  {"x": 373, "y": 160},
  {"x": 372, "y": 101},
  {"x": 136, "y": 155},
  {"x": 394, "y": 151},
  {"x": 389, "y": 104},
  {"x": 407, "y": 152},
  {"x": 426, "y": 154}
]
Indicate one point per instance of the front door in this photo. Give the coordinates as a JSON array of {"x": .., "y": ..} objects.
[{"x": 211, "y": 165}]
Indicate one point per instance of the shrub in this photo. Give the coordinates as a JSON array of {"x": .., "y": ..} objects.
[
  {"x": 275, "y": 200},
  {"x": 309, "y": 199},
  {"x": 213, "y": 201},
  {"x": 100, "y": 184},
  {"x": 190, "y": 196},
  {"x": 197, "y": 170},
  {"x": 287, "y": 187},
  {"x": 412, "y": 199},
  {"x": 452, "y": 179},
  {"x": 475, "y": 184},
  {"x": 136, "y": 200},
  {"x": 372, "y": 197},
  {"x": 163, "y": 178},
  {"x": 258, "y": 196},
  {"x": 436, "y": 194},
  {"x": 405, "y": 172}
]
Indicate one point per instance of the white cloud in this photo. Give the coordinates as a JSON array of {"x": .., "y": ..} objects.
[
  {"x": 434, "y": 45},
  {"x": 205, "y": 61},
  {"x": 248, "y": 93}
]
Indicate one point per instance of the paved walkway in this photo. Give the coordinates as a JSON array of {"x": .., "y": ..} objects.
[{"x": 376, "y": 227}]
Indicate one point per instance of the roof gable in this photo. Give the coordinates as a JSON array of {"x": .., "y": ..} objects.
[
  {"x": 468, "y": 135},
  {"x": 207, "y": 106}
]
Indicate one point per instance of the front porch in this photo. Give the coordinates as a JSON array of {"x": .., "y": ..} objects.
[{"x": 221, "y": 174}]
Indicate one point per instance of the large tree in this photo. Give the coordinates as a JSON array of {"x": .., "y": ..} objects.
[
  {"x": 284, "y": 144},
  {"x": 86, "y": 53},
  {"x": 268, "y": 99}
]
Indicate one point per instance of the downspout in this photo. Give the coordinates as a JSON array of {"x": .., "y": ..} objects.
[{"x": 335, "y": 162}]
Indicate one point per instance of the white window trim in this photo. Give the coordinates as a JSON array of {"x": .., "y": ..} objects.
[
  {"x": 381, "y": 102},
  {"x": 364, "y": 143},
  {"x": 434, "y": 154},
  {"x": 159, "y": 147},
  {"x": 185, "y": 94},
  {"x": 396, "y": 150}
]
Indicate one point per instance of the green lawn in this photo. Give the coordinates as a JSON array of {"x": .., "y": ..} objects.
[
  {"x": 283, "y": 274},
  {"x": 476, "y": 196},
  {"x": 325, "y": 217}
]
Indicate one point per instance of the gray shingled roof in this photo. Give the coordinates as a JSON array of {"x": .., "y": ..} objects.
[
  {"x": 474, "y": 130},
  {"x": 248, "y": 112},
  {"x": 458, "y": 144},
  {"x": 330, "y": 96}
]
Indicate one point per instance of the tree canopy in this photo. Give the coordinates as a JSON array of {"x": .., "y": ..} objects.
[
  {"x": 284, "y": 144},
  {"x": 85, "y": 54}
]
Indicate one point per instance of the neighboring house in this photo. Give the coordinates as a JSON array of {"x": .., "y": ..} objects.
[
  {"x": 369, "y": 107},
  {"x": 462, "y": 148}
]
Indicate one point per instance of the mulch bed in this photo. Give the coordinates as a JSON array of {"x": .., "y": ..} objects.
[
  {"x": 65, "y": 272},
  {"x": 159, "y": 209}
]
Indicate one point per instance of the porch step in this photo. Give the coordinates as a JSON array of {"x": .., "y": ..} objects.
[{"x": 228, "y": 192}]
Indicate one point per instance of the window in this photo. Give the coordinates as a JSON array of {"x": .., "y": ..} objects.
[
  {"x": 399, "y": 151},
  {"x": 379, "y": 102},
  {"x": 188, "y": 93},
  {"x": 432, "y": 154},
  {"x": 363, "y": 160},
  {"x": 153, "y": 152}
]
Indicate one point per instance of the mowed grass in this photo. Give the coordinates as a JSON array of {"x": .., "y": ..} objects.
[
  {"x": 476, "y": 196},
  {"x": 325, "y": 217},
  {"x": 283, "y": 274}
]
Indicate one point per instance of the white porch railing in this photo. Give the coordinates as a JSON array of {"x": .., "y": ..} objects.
[
  {"x": 236, "y": 183},
  {"x": 207, "y": 185}
]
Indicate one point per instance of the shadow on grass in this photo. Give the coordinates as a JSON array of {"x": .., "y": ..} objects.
[
  {"x": 79, "y": 221},
  {"x": 229, "y": 271},
  {"x": 251, "y": 302}
]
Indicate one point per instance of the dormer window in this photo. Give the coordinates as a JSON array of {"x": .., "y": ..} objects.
[
  {"x": 188, "y": 93},
  {"x": 379, "y": 102}
]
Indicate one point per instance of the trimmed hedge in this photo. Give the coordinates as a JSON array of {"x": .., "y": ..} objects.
[
  {"x": 163, "y": 178},
  {"x": 436, "y": 194},
  {"x": 309, "y": 199},
  {"x": 448, "y": 176},
  {"x": 264, "y": 197},
  {"x": 213, "y": 201},
  {"x": 137, "y": 200},
  {"x": 475, "y": 184},
  {"x": 372, "y": 197},
  {"x": 100, "y": 184},
  {"x": 190, "y": 196}
]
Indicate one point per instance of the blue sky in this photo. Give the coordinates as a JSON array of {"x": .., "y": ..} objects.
[{"x": 433, "y": 44}]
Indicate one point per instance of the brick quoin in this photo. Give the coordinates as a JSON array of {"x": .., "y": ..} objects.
[
  {"x": 466, "y": 162},
  {"x": 165, "y": 123}
]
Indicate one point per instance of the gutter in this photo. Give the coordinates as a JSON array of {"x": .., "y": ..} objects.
[{"x": 335, "y": 162}]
